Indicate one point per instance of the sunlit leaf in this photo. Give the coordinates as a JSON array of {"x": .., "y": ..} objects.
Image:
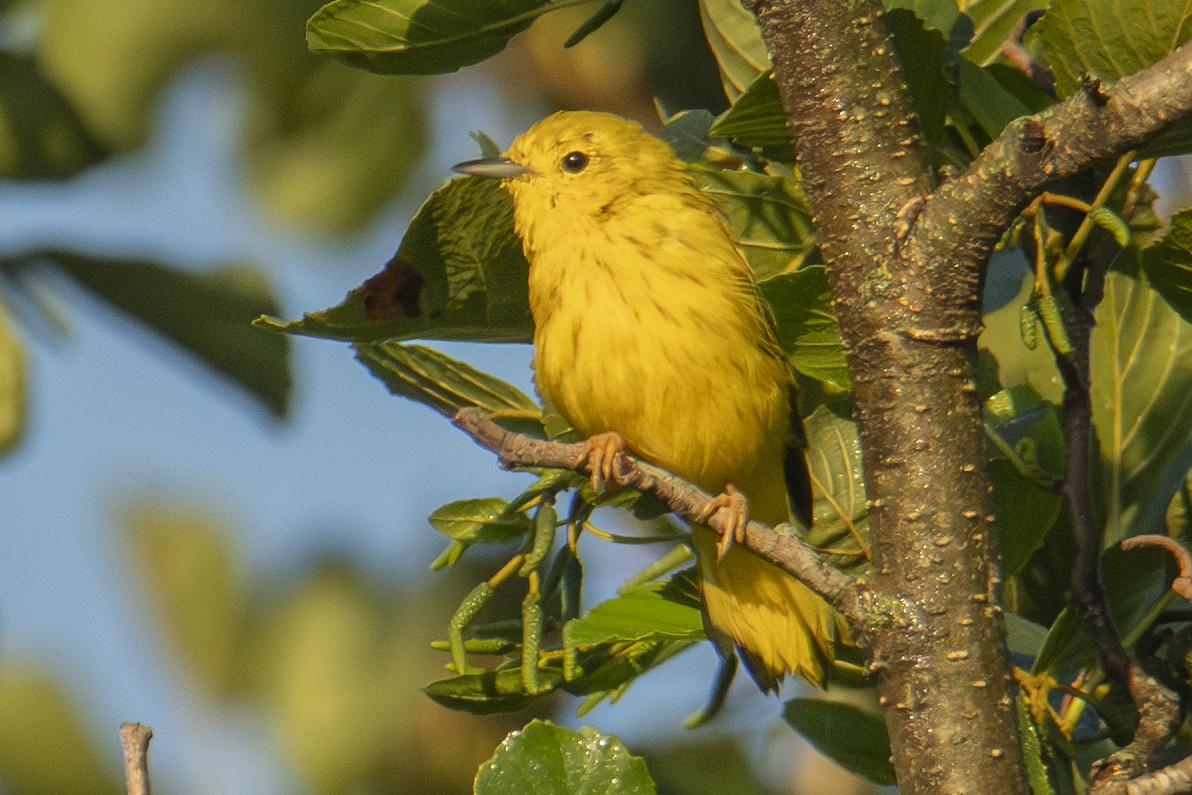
[
  {"x": 458, "y": 274},
  {"x": 336, "y": 665},
  {"x": 767, "y": 215},
  {"x": 480, "y": 520},
  {"x": 208, "y": 313},
  {"x": 420, "y": 36},
  {"x": 1108, "y": 39},
  {"x": 737, "y": 43},
  {"x": 439, "y": 381},
  {"x": 646, "y": 613},
  {"x": 855, "y": 740},
  {"x": 547, "y": 759},
  {"x": 1142, "y": 404}
]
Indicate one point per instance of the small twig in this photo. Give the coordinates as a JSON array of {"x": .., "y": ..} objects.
[
  {"x": 1182, "y": 584},
  {"x": 849, "y": 596},
  {"x": 1169, "y": 781},
  {"x": 134, "y": 739},
  {"x": 1019, "y": 56}
]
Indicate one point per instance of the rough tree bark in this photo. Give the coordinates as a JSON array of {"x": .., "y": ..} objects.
[{"x": 906, "y": 262}]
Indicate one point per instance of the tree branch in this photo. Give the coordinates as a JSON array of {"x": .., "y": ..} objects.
[
  {"x": 965, "y": 218},
  {"x": 909, "y": 324},
  {"x": 777, "y": 545}
]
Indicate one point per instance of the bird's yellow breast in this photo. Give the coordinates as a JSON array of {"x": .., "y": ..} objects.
[{"x": 658, "y": 336}]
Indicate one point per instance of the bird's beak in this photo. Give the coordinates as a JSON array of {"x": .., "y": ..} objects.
[{"x": 492, "y": 167}]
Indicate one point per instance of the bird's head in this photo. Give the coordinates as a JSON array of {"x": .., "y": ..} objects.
[{"x": 578, "y": 164}]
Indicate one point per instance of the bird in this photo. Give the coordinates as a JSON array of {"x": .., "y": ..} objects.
[{"x": 650, "y": 335}]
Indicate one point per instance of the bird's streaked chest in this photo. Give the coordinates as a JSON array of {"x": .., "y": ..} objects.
[{"x": 660, "y": 353}]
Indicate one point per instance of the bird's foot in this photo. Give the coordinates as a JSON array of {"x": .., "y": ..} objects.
[
  {"x": 735, "y": 520},
  {"x": 604, "y": 455}
]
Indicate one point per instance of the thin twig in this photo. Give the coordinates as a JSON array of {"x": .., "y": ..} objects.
[
  {"x": 1158, "y": 708},
  {"x": 134, "y": 739},
  {"x": 849, "y": 596},
  {"x": 1169, "y": 781},
  {"x": 1182, "y": 584}
]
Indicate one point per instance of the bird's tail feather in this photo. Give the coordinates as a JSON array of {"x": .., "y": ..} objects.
[{"x": 779, "y": 625}]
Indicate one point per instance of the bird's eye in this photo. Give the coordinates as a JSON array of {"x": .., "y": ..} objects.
[{"x": 575, "y": 162}]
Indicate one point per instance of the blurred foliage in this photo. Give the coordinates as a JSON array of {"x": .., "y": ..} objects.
[
  {"x": 331, "y": 659},
  {"x": 44, "y": 748}
]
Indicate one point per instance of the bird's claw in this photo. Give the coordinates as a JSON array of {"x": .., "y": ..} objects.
[
  {"x": 605, "y": 457},
  {"x": 735, "y": 520}
]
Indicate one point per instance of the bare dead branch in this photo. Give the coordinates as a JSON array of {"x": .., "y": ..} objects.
[
  {"x": 134, "y": 739},
  {"x": 851, "y": 597}
]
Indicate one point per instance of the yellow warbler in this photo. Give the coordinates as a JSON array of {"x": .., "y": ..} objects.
[{"x": 647, "y": 324}]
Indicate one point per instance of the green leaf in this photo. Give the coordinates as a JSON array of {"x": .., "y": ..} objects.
[
  {"x": 1023, "y": 636},
  {"x": 1108, "y": 39},
  {"x": 768, "y": 217},
  {"x": 13, "y": 375},
  {"x": 993, "y": 22},
  {"x": 439, "y": 381},
  {"x": 186, "y": 565},
  {"x": 757, "y": 118},
  {"x": 855, "y": 740},
  {"x": 923, "y": 53},
  {"x": 46, "y": 745},
  {"x": 1141, "y": 379},
  {"x": 1024, "y": 507},
  {"x": 420, "y": 36},
  {"x": 1023, "y": 514},
  {"x": 208, "y": 313},
  {"x": 807, "y": 327},
  {"x": 331, "y": 151},
  {"x": 491, "y": 692},
  {"x": 544, "y": 759},
  {"x": 1134, "y": 582},
  {"x": 459, "y": 274},
  {"x": 650, "y": 612},
  {"x": 935, "y": 15},
  {"x": 736, "y": 41},
  {"x": 41, "y": 134},
  {"x": 841, "y": 513},
  {"x": 482, "y": 520},
  {"x": 986, "y": 100},
  {"x": 1168, "y": 264}
]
